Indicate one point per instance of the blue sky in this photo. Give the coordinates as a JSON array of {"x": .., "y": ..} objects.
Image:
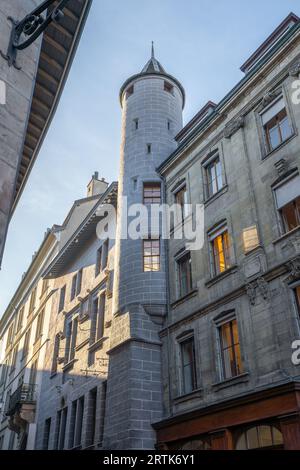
[{"x": 201, "y": 42}]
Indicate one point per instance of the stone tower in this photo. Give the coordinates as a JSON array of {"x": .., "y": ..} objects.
[{"x": 152, "y": 102}]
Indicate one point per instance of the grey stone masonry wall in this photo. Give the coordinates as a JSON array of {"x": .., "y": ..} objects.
[
  {"x": 134, "y": 387},
  {"x": 259, "y": 286}
]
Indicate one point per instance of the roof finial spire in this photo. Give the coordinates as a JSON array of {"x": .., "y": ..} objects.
[{"x": 152, "y": 50}]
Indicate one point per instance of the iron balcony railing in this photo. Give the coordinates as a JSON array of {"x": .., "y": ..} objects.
[{"x": 25, "y": 393}]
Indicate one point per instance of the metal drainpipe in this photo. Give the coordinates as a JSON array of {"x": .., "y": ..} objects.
[{"x": 168, "y": 304}]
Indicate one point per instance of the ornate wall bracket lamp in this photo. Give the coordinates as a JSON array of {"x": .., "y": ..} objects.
[{"x": 26, "y": 31}]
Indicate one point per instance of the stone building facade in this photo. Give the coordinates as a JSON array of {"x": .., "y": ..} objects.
[
  {"x": 23, "y": 340},
  {"x": 234, "y": 305},
  {"x": 150, "y": 343},
  {"x": 75, "y": 371}
]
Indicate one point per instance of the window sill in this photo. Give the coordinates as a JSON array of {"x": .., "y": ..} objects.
[
  {"x": 97, "y": 345},
  {"x": 253, "y": 250},
  {"x": 215, "y": 196},
  {"x": 82, "y": 344},
  {"x": 221, "y": 276},
  {"x": 232, "y": 381},
  {"x": 186, "y": 297},
  {"x": 286, "y": 235},
  {"x": 197, "y": 393},
  {"x": 69, "y": 365},
  {"x": 271, "y": 152}
]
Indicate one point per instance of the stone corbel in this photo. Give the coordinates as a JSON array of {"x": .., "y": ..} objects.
[
  {"x": 251, "y": 292},
  {"x": 293, "y": 268},
  {"x": 234, "y": 126},
  {"x": 263, "y": 288},
  {"x": 294, "y": 70},
  {"x": 260, "y": 285},
  {"x": 268, "y": 98}
]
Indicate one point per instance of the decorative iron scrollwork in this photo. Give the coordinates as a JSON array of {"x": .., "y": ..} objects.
[{"x": 26, "y": 31}]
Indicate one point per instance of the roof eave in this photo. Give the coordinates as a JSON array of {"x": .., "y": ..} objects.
[{"x": 68, "y": 63}]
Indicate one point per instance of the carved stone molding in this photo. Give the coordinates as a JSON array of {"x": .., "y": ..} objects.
[
  {"x": 281, "y": 166},
  {"x": 268, "y": 98},
  {"x": 294, "y": 70},
  {"x": 251, "y": 292},
  {"x": 293, "y": 267},
  {"x": 260, "y": 285},
  {"x": 234, "y": 126},
  {"x": 263, "y": 288}
]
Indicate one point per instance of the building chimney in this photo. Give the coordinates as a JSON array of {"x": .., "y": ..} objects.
[{"x": 96, "y": 186}]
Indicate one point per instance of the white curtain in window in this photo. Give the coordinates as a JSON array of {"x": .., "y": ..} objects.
[
  {"x": 288, "y": 191},
  {"x": 274, "y": 109}
]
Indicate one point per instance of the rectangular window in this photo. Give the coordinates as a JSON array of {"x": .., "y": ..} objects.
[
  {"x": 129, "y": 91},
  {"x": 288, "y": 203},
  {"x": 230, "y": 349},
  {"x": 102, "y": 411},
  {"x": 188, "y": 365},
  {"x": 73, "y": 287},
  {"x": 168, "y": 87},
  {"x": 71, "y": 338},
  {"x": 184, "y": 267},
  {"x": 72, "y": 424},
  {"x": 250, "y": 238},
  {"x": 220, "y": 251},
  {"x": 136, "y": 124},
  {"x": 14, "y": 359},
  {"x": 32, "y": 300},
  {"x": 291, "y": 215},
  {"x": 79, "y": 422},
  {"x": 91, "y": 418},
  {"x": 214, "y": 176},
  {"x": 56, "y": 351},
  {"x": 104, "y": 254},
  {"x": 276, "y": 124},
  {"x": 40, "y": 324},
  {"x": 62, "y": 298},
  {"x": 57, "y": 429},
  {"x": 101, "y": 317},
  {"x": 151, "y": 254},
  {"x": 79, "y": 282},
  {"x": 62, "y": 430},
  {"x": 26, "y": 344},
  {"x": 182, "y": 201},
  {"x": 149, "y": 148},
  {"x": 20, "y": 318},
  {"x": 152, "y": 193},
  {"x": 76, "y": 284},
  {"x": 10, "y": 335},
  {"x": 102, "y": 257},
  {"x": 47, "y": 430},
  {"x": 98, "y": 261}
]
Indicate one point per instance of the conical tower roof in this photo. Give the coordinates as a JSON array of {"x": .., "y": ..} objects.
[{"x": 152, "y": 67}]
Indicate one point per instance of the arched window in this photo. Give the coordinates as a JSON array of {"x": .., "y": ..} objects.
[
  {"x": 259, "y": 437},
  {"x": 193, "y": 443},
  {"x": 196, "y": 444}
]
